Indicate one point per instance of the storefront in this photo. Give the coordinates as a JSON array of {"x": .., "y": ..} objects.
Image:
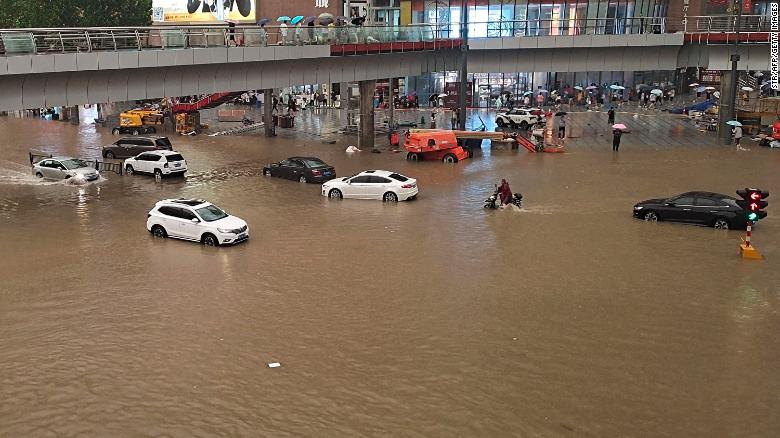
[{"x": 494, "y": 18}]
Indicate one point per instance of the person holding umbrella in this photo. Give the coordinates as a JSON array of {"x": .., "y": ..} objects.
[
  {"x": 611, "y": 115},
  {"x": 617, "y": 132},
  {"x": 737, "y": 132}
]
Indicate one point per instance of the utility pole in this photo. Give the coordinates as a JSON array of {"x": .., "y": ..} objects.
[
  {"x": 463, "y": 76},
  {"x": 732, "y": 104}
]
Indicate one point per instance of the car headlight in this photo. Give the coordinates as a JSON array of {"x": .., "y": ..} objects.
[
  {"x": 638, "y": 207},
  {"x": 225, "y": 230}
]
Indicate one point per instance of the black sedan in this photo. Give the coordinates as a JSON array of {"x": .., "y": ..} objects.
[
  {"x": 701, "y": 208},
  {"x": 303, "y": 169}
]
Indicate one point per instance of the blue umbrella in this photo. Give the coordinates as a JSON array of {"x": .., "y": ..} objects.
[
  {"x": 734, "y": 123},
  {"x": 528, "y": 93},
  {"x": 296, "y": 20},
  {"x": 283, "y": 18}
]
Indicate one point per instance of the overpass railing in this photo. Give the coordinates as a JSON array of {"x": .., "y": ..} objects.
[{"x": 42, "y": 41}]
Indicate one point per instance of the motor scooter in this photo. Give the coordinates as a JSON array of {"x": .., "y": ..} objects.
[{"x": 491, "y": 203}]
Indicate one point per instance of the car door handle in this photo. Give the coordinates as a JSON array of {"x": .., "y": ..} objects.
[{"x": 686, "y": 209}]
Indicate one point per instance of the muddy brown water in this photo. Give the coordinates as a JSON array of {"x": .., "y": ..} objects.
[{"x": 427, "y": 318}]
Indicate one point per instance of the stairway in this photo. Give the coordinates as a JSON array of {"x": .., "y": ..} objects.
[{"x": 210, "y": 101}]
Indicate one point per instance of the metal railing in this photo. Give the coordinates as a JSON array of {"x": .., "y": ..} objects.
[{"x": 42, "y": 41}]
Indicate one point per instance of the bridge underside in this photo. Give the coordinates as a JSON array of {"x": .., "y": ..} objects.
[{"x": 36, "y": 90}]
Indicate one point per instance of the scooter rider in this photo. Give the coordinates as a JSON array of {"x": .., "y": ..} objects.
[{"x": 504, "y": 193}]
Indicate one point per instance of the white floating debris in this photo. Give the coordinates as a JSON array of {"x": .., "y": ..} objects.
[
  {"x": 274, "y": 365},
  {"x": 352, "y": 149}
]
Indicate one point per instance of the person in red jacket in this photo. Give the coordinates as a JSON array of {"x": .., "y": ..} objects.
[{"x": 504, "y": 193}]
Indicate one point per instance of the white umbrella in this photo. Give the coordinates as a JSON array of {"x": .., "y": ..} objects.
[
  {"x": 577, "y": 87},
  {"x": 443, "y": 95},
  {"x": 758, "y": 74},
  {"x": 709, "y": 88},
  {"x": 747, "y": 89},
  {"x": 695, "y": 84},
  {"x": 592, "y": 87},
  {"x": 657, "y": 91},
  {"x": 614, "y": 87},
  {"x": 733, "y": 123},
  {"x": 620, "y": 87}
]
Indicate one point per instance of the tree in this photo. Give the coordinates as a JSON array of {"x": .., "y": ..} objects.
[{"x": 74, "y": 13}]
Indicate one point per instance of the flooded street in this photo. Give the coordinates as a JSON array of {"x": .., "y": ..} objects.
[{"x": 431, "y": 318}]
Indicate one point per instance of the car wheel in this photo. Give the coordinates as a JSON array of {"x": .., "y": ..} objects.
[
  {"x": 720, "y": 224},
  {"x": 650, "y": 216},
  {"x": 302, "y": 179},
  {"x": 157, "y": 175},
  {"x": 390, "y": 197},
  {"x": 500, "y": 123},
  {"x": 524, "y": 125},
  {"x": 159, "y": 231},
  {"x": 469, "y": 152},
  {"x": 110, "y": 155},
  {"x": 135, "y": 132},
  {"x": 210, "y": 240},
  {"x": 450, "y": 158},
  {"x": 115, "y": 131},
  {"x": 335, "y": 194},
  {"x": 412, "y": 156},
  {"x": 267, "y": 172},
  {"x": 38, "y": 174},
  {"x": 129, "y": 169}
]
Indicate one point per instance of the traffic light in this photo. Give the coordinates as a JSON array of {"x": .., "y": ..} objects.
[{"x": 753, "y": 203}]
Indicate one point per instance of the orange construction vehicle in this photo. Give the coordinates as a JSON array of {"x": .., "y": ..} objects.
[{"x": 434, "y": 145}]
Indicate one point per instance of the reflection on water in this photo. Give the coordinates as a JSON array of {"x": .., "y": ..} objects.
[{"x": 426, "y": 318}]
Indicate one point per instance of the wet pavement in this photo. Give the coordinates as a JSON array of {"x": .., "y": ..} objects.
[{"x": 426, "y": 318}]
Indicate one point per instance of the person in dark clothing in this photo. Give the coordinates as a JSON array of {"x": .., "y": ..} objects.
[
  {"x": 616, "y": 134},
  {"x": 611, "y": 116},
  {"x": 504, "y": 193}
]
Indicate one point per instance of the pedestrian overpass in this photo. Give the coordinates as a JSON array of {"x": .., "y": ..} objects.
[{"x": 65, "y": 67}]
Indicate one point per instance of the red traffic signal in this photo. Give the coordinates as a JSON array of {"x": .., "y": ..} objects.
[{"x": 752, "y": 202}]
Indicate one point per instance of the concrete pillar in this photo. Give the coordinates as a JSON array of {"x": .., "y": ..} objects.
[
  {"x": 268, "y": 102},
  {"x": 726, "y": 99},
  {"x": 391, "y": 97},
  {"x": 366, "y": 135},
  {"x": 74, "y": 115}
]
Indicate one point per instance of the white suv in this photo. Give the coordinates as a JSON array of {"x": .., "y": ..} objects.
[
  {"x": 157, "y": 163},
  {"x": 196, "y": 220},
  {"x": 522, "y": 117}
]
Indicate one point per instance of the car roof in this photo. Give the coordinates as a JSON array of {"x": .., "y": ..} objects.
[
  {"x": 143, "y": 137},
  {"x": 705, "y": 195},
  {"x": 306, "y": 158},
  {"x": 379, "y": 172},
  {"x": 161, "y": 152},
  {"x": 187, "y": 202},
  {"x": 61, "y": 158}
]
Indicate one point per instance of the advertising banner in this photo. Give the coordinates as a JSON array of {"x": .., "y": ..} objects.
[{"x": 203, "y": 11}]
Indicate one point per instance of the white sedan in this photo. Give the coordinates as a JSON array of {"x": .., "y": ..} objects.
[
  {"x": 372, "y": 184},
  {"x": 522, "y": 117}
]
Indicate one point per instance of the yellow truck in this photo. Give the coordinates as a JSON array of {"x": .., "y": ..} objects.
[{"x": 139, "y": 121}]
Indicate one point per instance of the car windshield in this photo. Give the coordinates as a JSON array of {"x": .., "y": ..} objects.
[
  {"x": 74, "y": 163},
  {"x": 211, "y": 213},
  {"x": 163, "y": 141},
  {"x": 175, "y": 157},
  {"x": 314, "y": 163},
  {"x": 398, "y": 177}
]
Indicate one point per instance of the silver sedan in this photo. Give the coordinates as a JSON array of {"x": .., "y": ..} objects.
[{"x": 58, "y": 168}]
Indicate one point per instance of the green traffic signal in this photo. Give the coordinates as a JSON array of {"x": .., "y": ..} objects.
[{"x": 752, "y": 216}]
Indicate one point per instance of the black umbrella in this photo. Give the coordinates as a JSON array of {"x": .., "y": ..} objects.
[
  {"x": 561, "y": 113},
  {"x": 358, "y": 21}
]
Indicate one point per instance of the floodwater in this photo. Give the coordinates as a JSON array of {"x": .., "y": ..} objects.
[{"x": 431, "y": 318}]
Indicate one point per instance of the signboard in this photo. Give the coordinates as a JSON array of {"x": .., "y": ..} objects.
[{"x": 203, "y": 11}]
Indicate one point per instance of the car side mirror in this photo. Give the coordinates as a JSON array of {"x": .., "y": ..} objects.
[{"x": 195, "y": 220}]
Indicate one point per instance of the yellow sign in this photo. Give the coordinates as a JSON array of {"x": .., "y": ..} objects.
[{"x": 203, "y": 11}]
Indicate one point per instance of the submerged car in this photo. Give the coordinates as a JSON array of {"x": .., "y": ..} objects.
[
  {"x": 196, "y": 220},
  {"x": 372, "y": 184},
  {"x": 58, "y": 168},
  {"x": 157, "y": 163},
  {"x": 303, "y": 169},
  {"x": 131, "y": 146},
  {"x": 701, "y": 208}
]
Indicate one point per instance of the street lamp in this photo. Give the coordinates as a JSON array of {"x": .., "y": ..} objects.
[{"x": 732, "y": 108}]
